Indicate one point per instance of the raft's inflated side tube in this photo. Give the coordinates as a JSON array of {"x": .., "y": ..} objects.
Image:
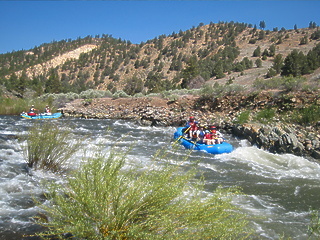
[
  {"x": 224, "y": 147},
  {"x": 42, "y": 116}
]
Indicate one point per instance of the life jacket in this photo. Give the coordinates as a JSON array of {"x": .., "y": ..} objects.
[
  {"x": 194, "y": 134},
  {"x": 208, "y": 136},
  {"x": 193, "y": 126},
  {"x": 201, "y": 134}
]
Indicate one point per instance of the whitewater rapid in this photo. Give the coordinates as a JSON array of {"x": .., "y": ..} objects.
[{"x": 279, "y": 190}]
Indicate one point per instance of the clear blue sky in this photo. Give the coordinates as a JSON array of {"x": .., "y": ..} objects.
[{"x": 26, "y": 24}]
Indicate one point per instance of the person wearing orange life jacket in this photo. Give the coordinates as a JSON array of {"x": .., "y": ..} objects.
[{"x": 192, "y": 126}]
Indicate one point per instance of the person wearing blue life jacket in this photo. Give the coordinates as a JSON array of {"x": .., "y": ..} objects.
[{"x": 200, "y": 134}]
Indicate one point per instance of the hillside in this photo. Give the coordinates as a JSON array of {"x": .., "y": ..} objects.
[{"x": 222, "y": 53}]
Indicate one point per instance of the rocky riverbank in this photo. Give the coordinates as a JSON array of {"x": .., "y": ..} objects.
[{"x": 278, "y": 137}]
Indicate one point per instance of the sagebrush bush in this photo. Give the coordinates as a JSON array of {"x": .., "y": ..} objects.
[
  {"x": 106, "y": 199},
  {"x": 120, "y": 94},
  {"x": 49, "y": 146},
  {"x": 286, "y": 84},
  {"x": 91, "y": 93},
  {"x": 218, "y": 90}
]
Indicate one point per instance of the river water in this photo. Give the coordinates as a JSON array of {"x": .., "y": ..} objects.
[{"x": 280, "y": 189}]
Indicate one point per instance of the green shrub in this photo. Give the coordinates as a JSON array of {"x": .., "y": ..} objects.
[
  {"x": 282, "y": 83},
  {"x": 91, "y": 93},
  {"x": 265, "y": 115},
  {"x": 294, "y": 83},
  {"x": 220, "y": 90},
  {"x": 307, "y": 116},
  {"x": 48, "y": 146},
  {"x": 243, "y": 117},
  {"x": 120, "y": 94},
  {"x": 106, "y": 199}
]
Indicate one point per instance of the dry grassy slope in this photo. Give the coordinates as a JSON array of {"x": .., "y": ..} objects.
[
  {"x": 149, "y": 51},
  {"x": 59, "y": 60},
  {"x": 246, "y": 50}
]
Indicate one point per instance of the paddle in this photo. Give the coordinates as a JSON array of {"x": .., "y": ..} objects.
[
  {"x": 191, "y": 141},
  {"x": 181, "y": 135}
]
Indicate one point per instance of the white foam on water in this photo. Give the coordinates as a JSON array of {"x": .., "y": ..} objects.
[{"x": 275, "y": 166}]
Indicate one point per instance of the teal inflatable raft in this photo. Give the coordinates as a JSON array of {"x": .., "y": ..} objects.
[{"x": 41, "y": 116}]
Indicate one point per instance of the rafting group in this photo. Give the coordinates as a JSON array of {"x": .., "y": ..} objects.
[
  {"x": 32, "y": 111},
  {"x": 198, "y": 133},
  {"x": 32, "y": 114}
]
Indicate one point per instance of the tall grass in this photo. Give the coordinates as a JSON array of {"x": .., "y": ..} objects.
[
  {"x": 11, "y": 106},
  {"x": 314, "y": 226},
  {"x": 15, "y": 106},
  {"x": 106, "y": 199},
  {"x": 48, "y": 146}
]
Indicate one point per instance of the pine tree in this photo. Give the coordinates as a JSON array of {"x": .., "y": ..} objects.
[
  {"x": 293, "y": 64},
  {"x": 258, "y": 63},
  {"x": 257, "y": 52},
  {"x": 191, "y": 71},
  {"x": 277, "y": 63},
  {"x": 262, "y": 24}
]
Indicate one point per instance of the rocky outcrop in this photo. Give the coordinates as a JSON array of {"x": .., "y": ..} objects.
[
  {"x": 278, "y": 137},
  {"x": 281, "y": 138}
]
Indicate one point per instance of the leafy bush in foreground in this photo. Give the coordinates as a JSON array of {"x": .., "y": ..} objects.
[{"x": 106, "y": 199}]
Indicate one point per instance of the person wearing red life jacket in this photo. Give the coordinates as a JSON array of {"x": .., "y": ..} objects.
[
  {"x": 192, "y": 126},
  {"x": 32, "y": 111},
  {"x": 216, "y": 135},
  {"x": 207, "y": 139}
]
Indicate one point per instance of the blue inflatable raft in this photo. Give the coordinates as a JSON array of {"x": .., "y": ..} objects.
[
  {"x": 224, "y": 147},
  {"x": 42, "y": 116}
]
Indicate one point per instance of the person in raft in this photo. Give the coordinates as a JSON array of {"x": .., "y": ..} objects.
[
  {"x": 47, "y": 110},
  {"x": 200, "y": 134},
  {"x": 208, "y": 138},
  {"x": 216, "y": 135},
  {"x": 191, "y": 127},
  {"x": 32, "y": 111}
]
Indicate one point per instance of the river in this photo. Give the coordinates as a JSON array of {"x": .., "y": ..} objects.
[{"x": 280, "y": 189}]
